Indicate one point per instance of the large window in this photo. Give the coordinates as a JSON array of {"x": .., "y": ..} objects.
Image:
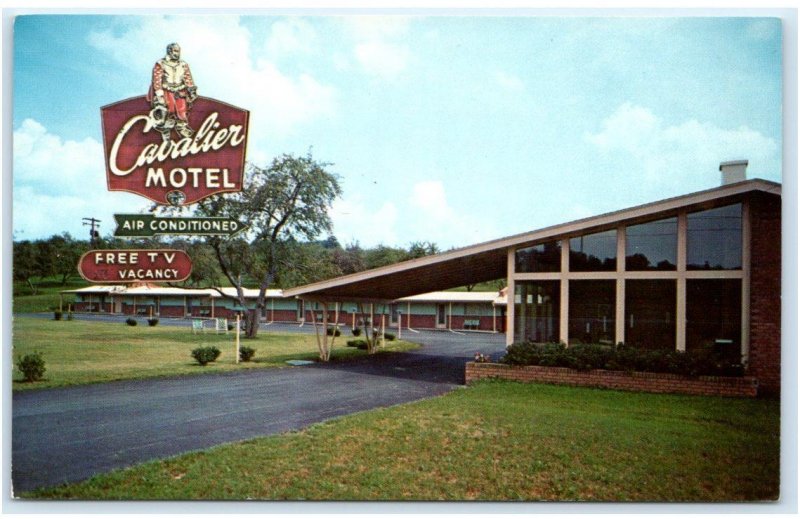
[
  {"x": 536, "y": 311},
  {"x": 652, "y": 245},
  {"x": 593, "y": 252},
  {"x": 650, "y": 313},
  {"x": 714, "y": 239},
  {"x": 714, "y": 315},
  {"x": 592, "y": 306},
  {"x": 544, "y": 257}
]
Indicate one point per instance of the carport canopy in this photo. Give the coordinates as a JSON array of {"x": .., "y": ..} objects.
[{"x": 428, "y": 274}]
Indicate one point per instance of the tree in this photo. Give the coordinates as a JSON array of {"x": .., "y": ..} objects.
[
  {"x": 25, "y": 263},
  {"x": 289, "y": 200}
]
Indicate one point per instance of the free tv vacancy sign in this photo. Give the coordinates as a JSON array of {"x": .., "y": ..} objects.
[{"x": 131, "y": 265}]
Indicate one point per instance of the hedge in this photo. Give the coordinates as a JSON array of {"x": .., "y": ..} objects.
[{"x": 584, "y": 357}]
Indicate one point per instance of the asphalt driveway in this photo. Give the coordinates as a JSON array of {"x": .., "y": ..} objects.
[{"x": 70, "y": 434}]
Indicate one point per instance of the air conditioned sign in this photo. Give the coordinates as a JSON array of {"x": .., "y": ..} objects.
[
  {"x": 131, "y": 265},
  {"x": 174, "y": 161}
]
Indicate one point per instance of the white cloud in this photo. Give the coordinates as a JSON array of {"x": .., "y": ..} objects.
[
  {"x": 354, "y": 220},
  {"x": 57, "y": 182},
  {"x": 686, "y": 154},
  {"x": 509, "y": 82},
  {"x": 291, "y": 36},
  {"x": 384, "y": 60},
  {"x": 432, "y": 218},
  {"x": 222, "y": 54},
  {"x": 379, "y": 48}
]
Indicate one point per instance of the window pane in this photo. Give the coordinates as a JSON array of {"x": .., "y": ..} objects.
[
  {"x": 650, "y": 313},
  {"x": 652, "y": 245},
  {"x": 714, "y": 239},
  {"x": 544, "y": 257},
  {"x": 536, "y": 311},
  {"x": 592, "y": 306},
  {"x": 593, "y": 252},
  {"x": 714, "y": 315}
]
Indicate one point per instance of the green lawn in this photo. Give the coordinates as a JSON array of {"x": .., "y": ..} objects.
[
  {"x": 492, "y": 441},
  {"x": 47, "y": 297},
  {"x": 81, "y": 352}
]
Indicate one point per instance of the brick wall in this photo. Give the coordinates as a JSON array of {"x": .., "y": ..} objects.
[
  {"x": 636, "y": 381},
  {"x": 765, "y": 292}
]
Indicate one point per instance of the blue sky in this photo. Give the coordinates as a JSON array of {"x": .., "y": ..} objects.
[{"x": 454, "y": 130}]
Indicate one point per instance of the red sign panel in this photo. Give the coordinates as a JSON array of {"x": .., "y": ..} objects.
[
  {"x": 135, "y": 266},
  {"x": 176, "y": 163}
]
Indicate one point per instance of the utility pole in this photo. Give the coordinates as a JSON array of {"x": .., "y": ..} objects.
[{"x": 93, "y": 234}]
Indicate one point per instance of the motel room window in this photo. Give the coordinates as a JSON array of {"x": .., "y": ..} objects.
[
  {"x": 650, "y": 313},
  {"x": 544, "y": 257},
  {"x": 592, "y": 307},
  {"x": 714, "y": 316},
  {"x": 714, "y": 239},
  {"x": 536, "y": 311},
  {"x": 593, "y": 252},
  {"x": 652, "y": 245}
]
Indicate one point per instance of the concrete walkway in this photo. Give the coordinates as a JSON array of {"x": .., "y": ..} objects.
[{"x": 70, "y": 434}]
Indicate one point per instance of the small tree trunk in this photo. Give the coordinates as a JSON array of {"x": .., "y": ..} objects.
[{"x": 251, "y": 323}]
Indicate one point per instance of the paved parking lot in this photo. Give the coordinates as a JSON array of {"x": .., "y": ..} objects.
[{"x": 69, "y": 434}]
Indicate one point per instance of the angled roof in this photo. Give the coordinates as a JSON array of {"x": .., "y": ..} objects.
[{"x": 488, "y": 260}]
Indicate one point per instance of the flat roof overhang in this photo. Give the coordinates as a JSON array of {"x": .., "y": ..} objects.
[{"x": 489, "y": 260}]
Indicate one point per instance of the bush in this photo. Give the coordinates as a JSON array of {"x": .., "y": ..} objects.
[
  {"x": 231, "y": 326},
  {"x": 356, "y": 331},
  {"x": 152, "y": 322},
  {"x": 361, "y": 344},
  {"x": 131, "y": 321},
  {"x": 389, "y": 336},
  {"x": 246, "y": 353},
  {"x": 584, "y": 357},
  {"x": 57, "y": 315},
  {"x": 206, "y": 355},
  {"x": 334, "y": 331},
  {"x": 69, "y": 316},
  {"x": 32, "y": 366}
]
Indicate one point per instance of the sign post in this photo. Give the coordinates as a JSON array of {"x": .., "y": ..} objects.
[{"x": 238, "y": 319}]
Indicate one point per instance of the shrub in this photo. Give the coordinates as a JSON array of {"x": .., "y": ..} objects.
[
  {"x": 206, "y": 355},
  {"x": 32, "y": 366},
  {"x": 705, "y": 361},
  {"x": 334, "y": 331},
  {"x": 231, "y": 326},
  {"x": 356, "y": 331},
  {"x": 246, "y": 353},
  {"x": 57, "y": 315},
  {"x": 388, "y": 336},
  {"x": 69, "y": 316},
  {"x": 361, "y": 344},
  {"x": 152, "y": 322},
  {"x": 131, "y": 321}
]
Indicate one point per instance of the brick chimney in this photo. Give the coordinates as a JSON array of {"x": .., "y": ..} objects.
[{"x": 733, "y": 171}]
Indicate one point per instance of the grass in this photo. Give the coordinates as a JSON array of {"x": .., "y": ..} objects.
[
  {"x": 81, "y": 352},
  {"x": 496, "y": 440}
]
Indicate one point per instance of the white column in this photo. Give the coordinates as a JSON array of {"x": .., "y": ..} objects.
[
  {"x": 619, "y": 312},
  {"x": 564, "y": 303},
  {"x": 680, "y": 290},
  {"x": 510, "y": 298},
  {"x": 746, "y": 264}
]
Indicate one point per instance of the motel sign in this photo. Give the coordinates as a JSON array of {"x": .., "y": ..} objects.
[{"x": 132, "y": 266}]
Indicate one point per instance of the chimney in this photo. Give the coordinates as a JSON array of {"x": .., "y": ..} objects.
[{"x": 733, "y": 171}]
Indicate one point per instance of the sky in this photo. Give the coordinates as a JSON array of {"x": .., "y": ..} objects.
[{"x": 448, "y": 129}]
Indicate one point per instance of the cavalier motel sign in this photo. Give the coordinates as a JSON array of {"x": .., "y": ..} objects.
[{"x": 174, "y": 148}]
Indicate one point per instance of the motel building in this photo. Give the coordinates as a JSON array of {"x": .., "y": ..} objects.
[{"x": 685, "y": 273}]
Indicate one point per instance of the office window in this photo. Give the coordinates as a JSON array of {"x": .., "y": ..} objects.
[
  {"x": 593, "y": 252},
  {"x": 536, "y": 311},
  {"x": 592, "y": 307},
  {"x": 652, "y": 245},
  {"x": 543, "y": 257},
  {"x": 650, "y": 313},
  {"x": 714, "y": 315},
  {"x": 714, "y": 239}
]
